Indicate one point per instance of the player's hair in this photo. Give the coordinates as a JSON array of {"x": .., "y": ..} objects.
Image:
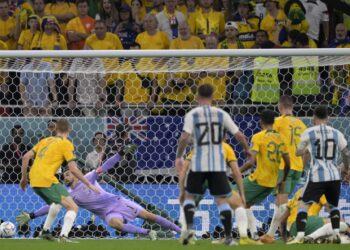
[
  {"x": 286, "y": 101},
  {"x": 267, "y": 117},
  {"x": 82, "y": 1},
  {"x": 303, "y": 39},
  {"x": 205, "y": 91},
  {"x": 63, "y": 126},
  {"x": 321, "y": 112}
]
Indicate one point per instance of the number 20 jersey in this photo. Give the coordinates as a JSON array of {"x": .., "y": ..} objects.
[
  {"x": 324, "y": 144},
  {"x": 207, "y": 125}
]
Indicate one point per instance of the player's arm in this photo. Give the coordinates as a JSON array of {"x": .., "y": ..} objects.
[
  {"x": 344, "y": 152},
  {"x": 25, "y": 164},
  {"x": 73, "y": 168},
  {"x": 237, "y": 176},
  {"x": 286, "y": 159},
  {"x": 304, "y": 142},
  {"x": 250, "y": 162}
]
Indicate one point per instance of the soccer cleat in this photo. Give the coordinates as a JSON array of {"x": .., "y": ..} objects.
[
  {"x": 187, "y": 237},
  {"x": 267, "y": 239},
  {"x": 230, "y": 242},
  {"x": 46, "y": 235},
  {"x": 152, "y": 235},
  {"x": 309, "y": 240},
  {"x": 65, "y": 239},
  {"x": 295, "y": 241},
  {"x": 218, "y": 241},
  {"x": 247, "y": 241}
]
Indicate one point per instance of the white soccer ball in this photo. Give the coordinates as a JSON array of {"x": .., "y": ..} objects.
[{"x": 7, "y": 229}]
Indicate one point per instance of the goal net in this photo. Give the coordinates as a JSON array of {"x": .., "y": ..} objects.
[{"x": 140, "y": 98}]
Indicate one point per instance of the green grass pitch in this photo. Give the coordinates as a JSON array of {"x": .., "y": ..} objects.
[{"x": 147, "y": 245}]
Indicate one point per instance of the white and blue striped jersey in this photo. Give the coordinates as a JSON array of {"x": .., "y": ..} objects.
[
  {"x": 207, "y": 126},
  {"x": 324, "y": 144}
]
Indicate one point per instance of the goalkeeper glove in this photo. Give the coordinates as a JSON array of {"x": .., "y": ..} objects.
[
  {"x": 24, "y": 217},
  {"x": 128, "y": 149}
]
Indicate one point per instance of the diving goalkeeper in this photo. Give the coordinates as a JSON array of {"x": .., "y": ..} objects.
[{"x": 111, "y": 208}]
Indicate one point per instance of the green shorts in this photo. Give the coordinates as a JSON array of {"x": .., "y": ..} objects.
[
  {"x": 254, "y": 193},
  {"x": 292, "y": 180},
  {"x": 52, "y": 194},
  {"x": 312, "y": 224}
]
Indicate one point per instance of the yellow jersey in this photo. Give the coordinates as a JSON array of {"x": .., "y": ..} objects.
[
  {"x": 229, "y": 153},
  {"x": 193, "y": 43},
  {"x": 247, "y": 29},
  {"x": 49, "y": 42},
  {"x": 159, "y": 40},
  {"x": 291, "y": 128},
  {"x": 269, "y": 23},
  {"x": 59, "y": 9},
  {"x": 50, "y": 154},
  {"x": 110, "y": 42},
  {"x": 26, "y": 38},
  {"x": 82, "y": 25},
  {"x": 207, "y": 23},
  {"x": 293, "y": 205},
  {"x": 6, "y": 27},
  {"x": 269, "y": 146},
  {"x": 177, "y": 94},
  {"x": 3, "y": 45}
]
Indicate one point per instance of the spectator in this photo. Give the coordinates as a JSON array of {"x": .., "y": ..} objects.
[
  {"x": 260, "y": 37},
  {"x": 11, "y": 155},
  {"x": 108, "y": 13},
  {"x": 151, "y": 38},
  {"x": 216, "y": 78},
  {"x": 138, "y": 11},
  {"x": 247, "y": 23},
  {"x": 39, "y": 8},
  {"x": 169, "y": 19},
  {"x": 342, "y": 39},
  {"x": 90, "y": 88},
  {"x": 157, "y": 7},
  {"x": 127, "y": 29},
  {"x": 36, "y": 82},
  {"x": 316, "y": 14},
  {"x": 295, "y": 11},
  {"x": 206, "y": 21},
  {"x": 80, "y": 27},
  {"x": 95, "y": 158},
  {"x": 51, "y": 127},
  {"x": 136, "y": 89},
  {"x": 26, "y": 37},
  {"x": 274, "y": 22},
  {"x": 50, "y": 37},
  {"x": 306, "y": 86},
  {"x": 181, "y": 6},
  {"x": 63, "y": 11},
  {"x": 103, "y": 40},
  {"x": 191, "y": 7},
  {"x": 8, "y": 32},
  {"x": 292, "y": 38},
  {"x": 231, "y": 41},
  {"x": 185, "y": 39}
]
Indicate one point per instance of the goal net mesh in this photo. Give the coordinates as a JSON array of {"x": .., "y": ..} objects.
[{"x": 142, "y": 101}]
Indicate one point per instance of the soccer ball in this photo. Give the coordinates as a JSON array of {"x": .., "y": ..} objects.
[{"x": 7, "y": 229}]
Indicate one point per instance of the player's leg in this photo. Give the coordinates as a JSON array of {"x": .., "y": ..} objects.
[
  {"x": 115, "y": 221},
  {"x": 312, "y": 193},
  {"x": 332, "y": 193},
  {"x": 69, "y": 218},
  {"x": 146, "y": 215},
  {"x": 220, "y": 188}
]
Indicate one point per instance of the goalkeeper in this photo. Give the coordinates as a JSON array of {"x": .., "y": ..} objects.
[{"x": 111, "y": 208}]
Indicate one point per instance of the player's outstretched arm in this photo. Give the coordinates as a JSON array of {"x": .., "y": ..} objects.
[
  {"x": 72, "y": 165},
  {"x": 250, "y": 162},
  {"x": 237, "y": 176},
  {"x": 25, "y": 163}
]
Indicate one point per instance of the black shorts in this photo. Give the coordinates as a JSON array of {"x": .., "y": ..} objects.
[
  {"x": 314, "y": 190},
  {"x": 217, "y": 183}
]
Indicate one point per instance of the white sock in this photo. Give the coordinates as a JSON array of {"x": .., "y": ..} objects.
[
  {"x": 275, "y": 222},
  {"x": 51, "y": 216},
  {"x": 69, "y": 219},
  {"x": 182, "y": 219},
  {"x": 251, "y": 222},
  {"x": 242, "y": 221},
  {"x": 343, "y": 227},
  {"x": 300, "y": 235},
  {"x": 322, "y": 231}
]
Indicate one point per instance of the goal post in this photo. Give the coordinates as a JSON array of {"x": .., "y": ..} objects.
[{"x": 140, "y": 97}]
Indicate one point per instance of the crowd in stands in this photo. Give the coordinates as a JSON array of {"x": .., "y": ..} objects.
[{"x": 167, "y": 24}]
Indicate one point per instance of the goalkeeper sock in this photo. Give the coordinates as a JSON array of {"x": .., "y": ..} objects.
[
  {"x": 167, "y": 224},
  {"x": 251, "y": 223},
  {"x": 226, "y": 218},
  {"x": 69, "y": 219},
  {"x": 189, "y": 209},
  {"x": 278, "y": 212},
  {"x": 51, "y": 216},
  {"x": 242, "y": 222},
  {"x": 128, "y": 228}
]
